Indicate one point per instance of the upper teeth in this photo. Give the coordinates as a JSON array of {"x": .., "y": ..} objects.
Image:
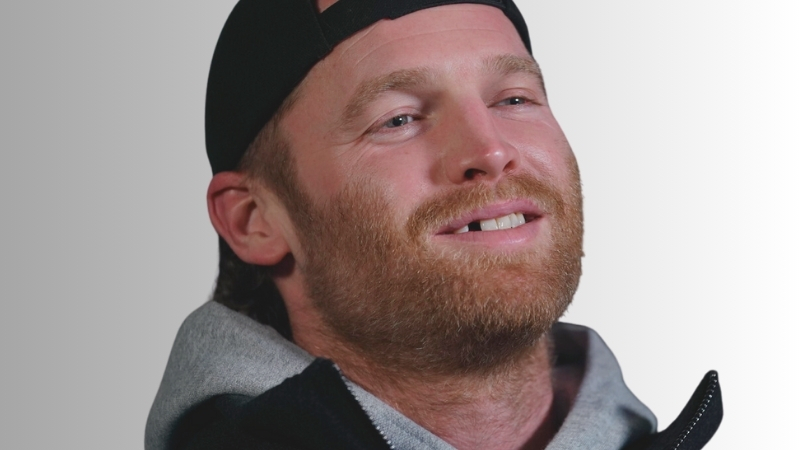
[{"x": 500, "y": 223}]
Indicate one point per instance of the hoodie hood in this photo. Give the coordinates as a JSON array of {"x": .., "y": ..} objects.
[{"x": 219, "y": 351}]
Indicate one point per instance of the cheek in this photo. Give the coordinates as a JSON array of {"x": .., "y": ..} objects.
[
  {"x": 401, "y": 174},
  {"x": 318, "y": 176},
  {"x": 543, "y": 148}
]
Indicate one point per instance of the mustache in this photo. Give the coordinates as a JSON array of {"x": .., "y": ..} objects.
[{"x": 449, "y": 206}]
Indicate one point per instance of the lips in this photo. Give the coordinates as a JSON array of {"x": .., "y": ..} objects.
[{"x": 494, "y": 218}]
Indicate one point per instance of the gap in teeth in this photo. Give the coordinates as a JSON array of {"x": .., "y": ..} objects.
[{"x": 512, "y": 220}]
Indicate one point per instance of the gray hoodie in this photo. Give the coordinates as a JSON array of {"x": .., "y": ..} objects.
[{"x": 219, "y": 351}]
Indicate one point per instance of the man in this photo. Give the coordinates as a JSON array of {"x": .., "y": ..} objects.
[{"x": 395, "y": 197}]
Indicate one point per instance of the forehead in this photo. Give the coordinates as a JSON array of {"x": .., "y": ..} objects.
[{"x": 446, "y": 39}]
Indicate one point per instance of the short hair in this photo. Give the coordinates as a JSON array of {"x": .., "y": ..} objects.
[{"x": 249, "y": 288}]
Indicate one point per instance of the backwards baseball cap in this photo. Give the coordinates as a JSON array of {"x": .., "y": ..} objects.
[{"x": 267, "y": 47}]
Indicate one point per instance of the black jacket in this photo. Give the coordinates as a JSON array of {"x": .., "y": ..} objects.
[{"x": 316, "y": 410}]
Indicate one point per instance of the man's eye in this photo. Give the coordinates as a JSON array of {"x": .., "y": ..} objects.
[
  {"x": 398, "y": 121},
  {"x": 513, "y": 101}
]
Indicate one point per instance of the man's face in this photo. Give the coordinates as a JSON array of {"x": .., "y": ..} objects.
[{"x": 408, "y": 134}]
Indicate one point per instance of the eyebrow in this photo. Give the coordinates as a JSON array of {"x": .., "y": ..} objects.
[
  {"x": 407, "y": 79},
  {"x": 371, "y": 89},
  {"x": 511, "y": 64}
]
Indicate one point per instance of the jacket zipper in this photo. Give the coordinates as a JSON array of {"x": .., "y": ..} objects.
[
  {"x": 350, "y": 388},
  {"x": 701, "y": 409}
]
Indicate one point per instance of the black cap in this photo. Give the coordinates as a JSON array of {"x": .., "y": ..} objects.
[{"x": 267, "y": 47}]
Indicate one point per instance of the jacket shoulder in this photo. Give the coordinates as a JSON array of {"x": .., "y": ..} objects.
[{"x": 314, "y": 409}]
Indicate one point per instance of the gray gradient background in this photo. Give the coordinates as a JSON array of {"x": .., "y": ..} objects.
[{"x": 683, "y": 116}]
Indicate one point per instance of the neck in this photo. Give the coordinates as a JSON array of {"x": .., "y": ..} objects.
[{"x": 509, "y": 408}]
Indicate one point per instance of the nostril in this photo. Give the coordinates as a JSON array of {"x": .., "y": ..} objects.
[{"x": 472, "y": 174}]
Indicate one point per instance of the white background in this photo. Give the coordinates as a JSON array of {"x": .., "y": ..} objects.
[{"x": 683, "y": 115}]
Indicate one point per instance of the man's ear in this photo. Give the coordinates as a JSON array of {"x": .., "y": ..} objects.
[{"x": 249, "y": 224}]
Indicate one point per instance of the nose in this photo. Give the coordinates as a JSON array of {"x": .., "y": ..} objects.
[{"x": 475, "y": 150}]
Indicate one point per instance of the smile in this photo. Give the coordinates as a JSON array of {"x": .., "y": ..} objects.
[
  {"x": 506, "y": 222},
  {"x": 498, "y": 217}
]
